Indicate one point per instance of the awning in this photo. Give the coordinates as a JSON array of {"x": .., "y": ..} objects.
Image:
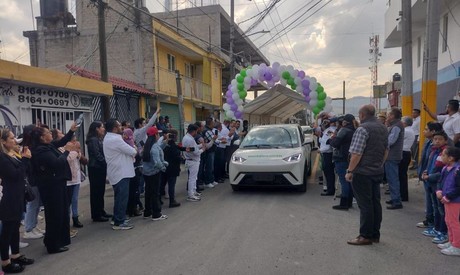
[
  {"x": 118, "y": 83},
  {"x": 18, "y": 73},
  {"x": 279, "y": 102}
]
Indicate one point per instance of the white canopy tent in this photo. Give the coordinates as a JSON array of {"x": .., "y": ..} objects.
[{"x": 276, "y": 105}]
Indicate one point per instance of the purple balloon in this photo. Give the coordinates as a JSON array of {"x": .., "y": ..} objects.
[
  {"x": 238, "y": 114},
  {"x": 305, "y": 83},
  {"x": 229, "y": 93},
  {"x": 307, "y": 98},
  {"x": 254, "y": 82},
  {"x": 234, "y": 107},
  {"x": 229, "y": 87},
  {"x": 301, "y": 74},
  {"x": 230, "y": 100},
  {"x": 268, "y": 76},
  {"x": 305, "y": 92}
]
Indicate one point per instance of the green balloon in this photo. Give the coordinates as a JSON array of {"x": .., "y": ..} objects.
[
  {"x": 320, "y": 89},
  {"x": 286, "y": 75},
  {"x": 321, "y": 104},
  {"x": 242, "y": 94},
  {"x": 243, "y": 73},
  {"x": 322, "y": 95},
  {"x": 240, "y": 86},
  {"x": 290, "y": 81},
  {"x": 240, "y": 79},
  {"x": 294, "y": 87},
  {"x": 316, "y": 110}
]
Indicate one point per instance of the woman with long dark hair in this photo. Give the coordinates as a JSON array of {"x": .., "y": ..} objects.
[
  {"x": 52, "y": 171},
  {"x": 154, "y": 163},
  {"x": 13, "y": 175},
  {"x": 97, "y": 171}
]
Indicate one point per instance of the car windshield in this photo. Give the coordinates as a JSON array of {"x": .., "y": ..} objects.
[{"x": 271, "y": 137}]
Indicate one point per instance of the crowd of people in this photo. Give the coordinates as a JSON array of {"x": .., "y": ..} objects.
[
  {"x": 44, "y": 168},
  {"x": 379, "y": 150}
]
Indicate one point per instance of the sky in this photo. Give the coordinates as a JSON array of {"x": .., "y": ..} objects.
[{"x": 331, "y": 44}]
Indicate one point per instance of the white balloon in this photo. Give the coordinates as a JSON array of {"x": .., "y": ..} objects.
[
  {"x": 226, "y": 106},
  {"x": 275, "y": 65},
  {"x": 298, "y": 81},
  {"x": 313, "y": 102},
  {"x": 247, "y": 86},
  {"x": 249, "y": 72},
  {"x": 276, "y": 78},
  {"x": 263, "y": 65},
  {"x": 235, "y": 96},
  {"x": 328, "y": 100},
  {"x": 328, "y": 108},
  {"x": 234, "y": 82},
  {"x": 230, "y": 114},
  {"x": 314, "y": 95},
  {"x": 299, "y": 88},
  {"x": 313, "y": 79},
  {"x": 240, "y": 108},
  {"x": 313, "y": 86},
  {"x": 234, "y": 89},
  {"x": 247, "y": 80},
  {"x": 282, "y": 69},
  {"x": 290, "y": 69},
  {"x": 271, "y": 83},
  {"x": 283, "y": 81}
]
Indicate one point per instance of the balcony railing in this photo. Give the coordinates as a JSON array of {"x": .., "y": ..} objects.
[{"x": 192, "y": 88}]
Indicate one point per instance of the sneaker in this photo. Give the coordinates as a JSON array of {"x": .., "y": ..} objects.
[
  {"x": 123, "y": 226},
  {"x": 194, "y": 199},
  {"x": 160, "y": 218},
  {"x": 73, "y": 233},
  {"x": 23, "y": 245},
  {"x": 444, "y": 245},
  {"x": 451, "y": 251},
  {"x": 440, "y": 239},
  {"x": 39, "y": 230},
  {"x": 31, "y": 235},
  {"x": 210, "y": 185},
  {"x": 215, "y": 183},
  {"x": 424, "y": 224},
  {"x": 430, "y": 232},
  {"x": 112, "y": 222},
  {"x": 166, "y": 196},
  {"x": 40, "y": 217},
  {"x": 197, "y": 194}
]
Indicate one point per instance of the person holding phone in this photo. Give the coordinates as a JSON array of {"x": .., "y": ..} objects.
[{"x": 210, "y": 147}]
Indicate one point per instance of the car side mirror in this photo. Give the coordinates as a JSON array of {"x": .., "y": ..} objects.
[{"x": 237, "y": 142}]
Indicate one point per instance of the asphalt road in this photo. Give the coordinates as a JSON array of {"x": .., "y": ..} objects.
[{"x": 248, "y": 232}]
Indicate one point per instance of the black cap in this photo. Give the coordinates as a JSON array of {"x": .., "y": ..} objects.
[
  {"x": 334, "y": 119},
  {"x": 349, "y": 118},
  {"x": 166, "y": 117}
]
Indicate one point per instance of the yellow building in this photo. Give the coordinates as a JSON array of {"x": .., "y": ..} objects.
[{"x": 200, "y": 73}]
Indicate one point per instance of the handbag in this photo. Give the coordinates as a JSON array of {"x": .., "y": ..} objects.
[{"x": 29, "y": 194}]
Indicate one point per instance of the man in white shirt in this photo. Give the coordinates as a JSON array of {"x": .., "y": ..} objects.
[
  {"x": 222, "y": 141},
  {"x": 120, "y": 169},
  {"x": 192, "y": 161},
  {"x": 409, "y": 137},
  {"x": 450, "y": 121},
  {"x": 416, "y": 129}
]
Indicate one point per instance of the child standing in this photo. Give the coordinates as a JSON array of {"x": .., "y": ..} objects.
[
  {"x": 432, "y": 175},
  {"x": 449, "y": 195}
]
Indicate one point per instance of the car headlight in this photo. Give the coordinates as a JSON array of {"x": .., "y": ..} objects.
[
  {"x": 238, "y": 159},
  {"x": 293, "y": 158}
]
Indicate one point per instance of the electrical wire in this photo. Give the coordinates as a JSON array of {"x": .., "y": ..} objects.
[{"x": 286, "y": 31}]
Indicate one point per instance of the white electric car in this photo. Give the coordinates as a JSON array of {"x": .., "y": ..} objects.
[{"x": 272, "y": 155}]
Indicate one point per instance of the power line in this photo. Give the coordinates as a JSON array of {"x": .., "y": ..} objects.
[{"x": 286, "y": 31}]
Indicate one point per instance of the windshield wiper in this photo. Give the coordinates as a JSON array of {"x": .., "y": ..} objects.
[
  {"x": 251, "y": 146},
  {"x": 258, "y": 146}
]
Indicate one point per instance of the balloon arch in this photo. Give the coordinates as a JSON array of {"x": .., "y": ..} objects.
[{"x": 315, "y": 97}]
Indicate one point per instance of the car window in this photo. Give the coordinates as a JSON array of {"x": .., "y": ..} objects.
[{"x": 275, "y": 137}]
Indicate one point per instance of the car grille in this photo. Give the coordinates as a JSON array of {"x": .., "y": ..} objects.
[{"x": 265, "y": 179}]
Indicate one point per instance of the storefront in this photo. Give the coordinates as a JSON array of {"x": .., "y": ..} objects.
[{"x": 31, "y": 95}]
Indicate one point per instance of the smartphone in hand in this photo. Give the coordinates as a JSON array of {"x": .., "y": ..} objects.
[{"x": 79, "y": 120}]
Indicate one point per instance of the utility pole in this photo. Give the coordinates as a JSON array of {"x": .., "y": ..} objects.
[
  {"x": 180, "y": 103},
  {"x": 232, "y": 38},
  {"x": 407, "y": 88},
  {"x": 343, "y": 101},
  {"x": 375, "y": 55},
  {"x": 430, "y": 64},
  {"x": 105, "y": 101}
]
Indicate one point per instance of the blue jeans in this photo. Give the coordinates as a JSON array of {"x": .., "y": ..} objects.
[
  {"x": 121, "y": 190},
  {"x": 74, "y": 201},
  {"x": 32, "y": 210},
  {"x": 439, "y": 214},
  {"x": 429, "y": 212},
  {"x": 209, "y": 168},
  {"x": 392, "y": 173},
  {"x": 341, "y": 169}
]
